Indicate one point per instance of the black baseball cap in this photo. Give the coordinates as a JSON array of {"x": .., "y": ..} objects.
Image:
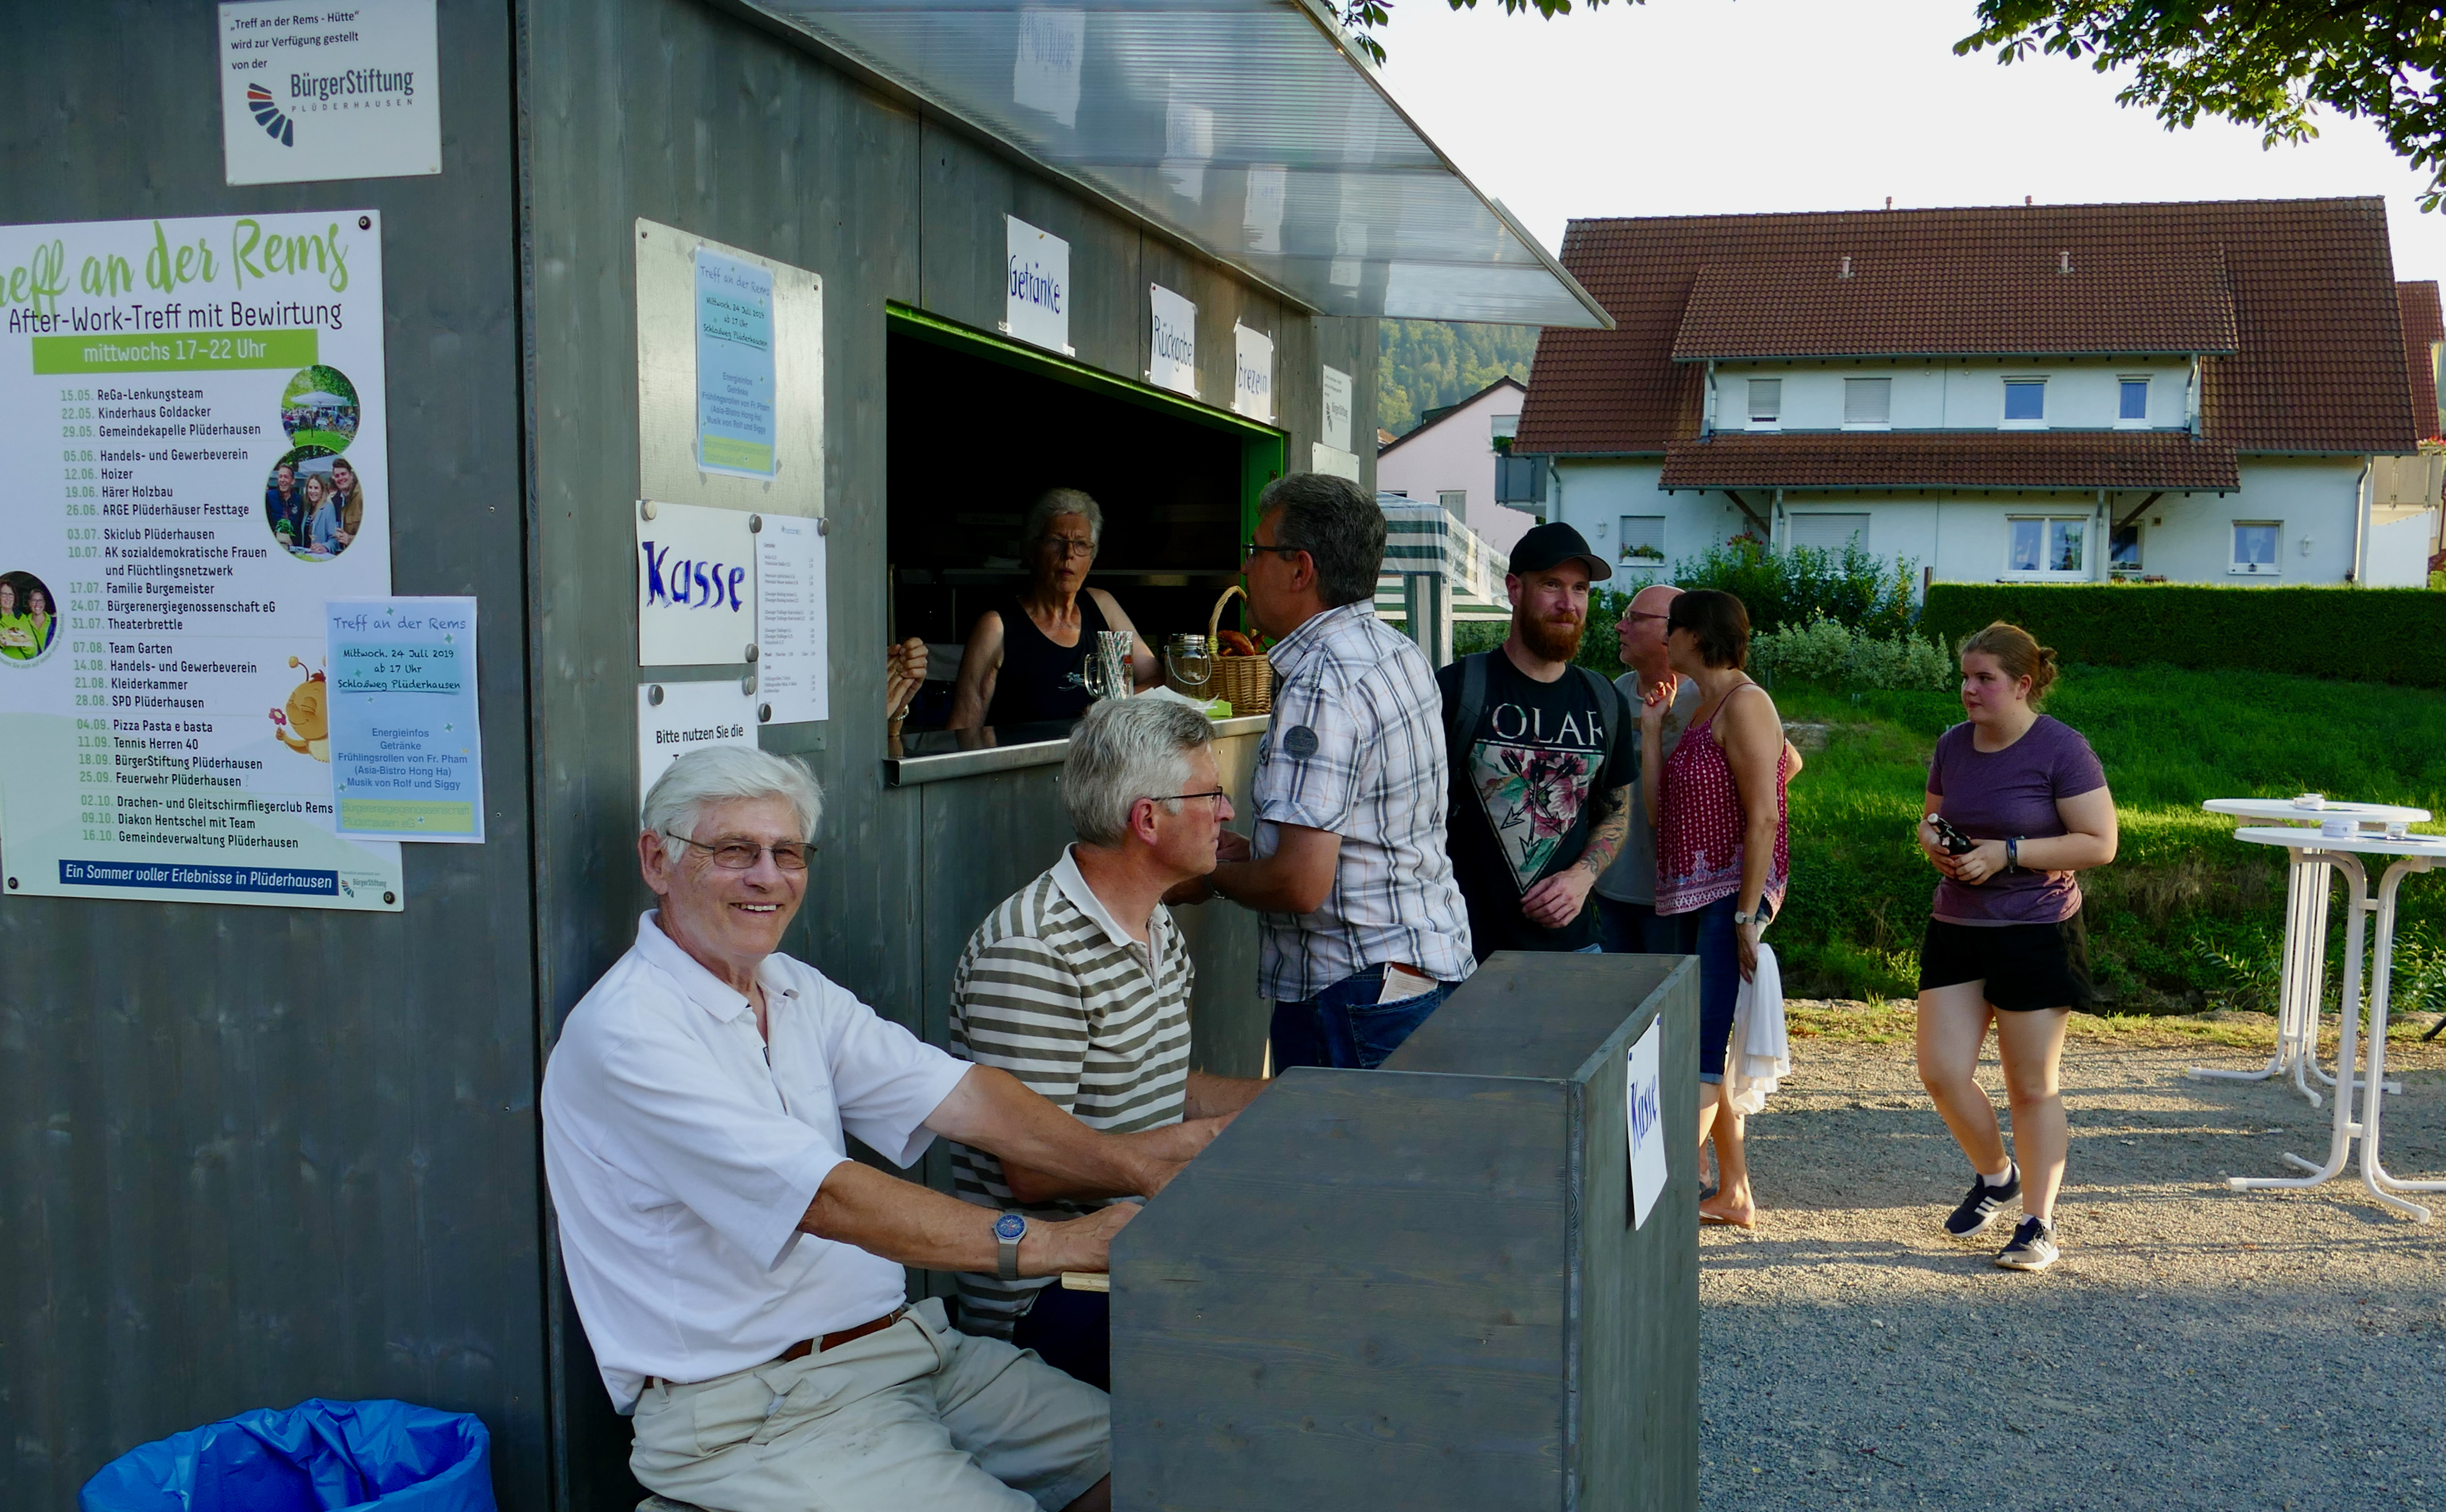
[{"x": 1551, "y": 544}]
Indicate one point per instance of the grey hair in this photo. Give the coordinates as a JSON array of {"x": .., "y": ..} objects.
[
  {"x": 1055, "y": 501},
  {"x": 1125, "y": 749},
  {"x": 721, "y": 773},
  {"x": 1337, "y": 524}
]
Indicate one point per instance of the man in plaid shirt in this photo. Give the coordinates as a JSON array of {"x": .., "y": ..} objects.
[{"x": 1363, "y": 929}]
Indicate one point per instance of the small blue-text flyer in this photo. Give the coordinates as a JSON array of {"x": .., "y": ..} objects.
[{"x": 407, "y": 760}]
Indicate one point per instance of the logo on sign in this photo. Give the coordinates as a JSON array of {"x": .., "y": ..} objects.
[
  {"x": 691, "y": 584},
  {"x": 267, "y": 114}
]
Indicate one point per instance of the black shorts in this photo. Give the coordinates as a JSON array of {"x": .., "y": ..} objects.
[{"x": 2025, "y": 966}]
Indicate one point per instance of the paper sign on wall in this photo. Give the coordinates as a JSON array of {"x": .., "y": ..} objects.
[
  {"x": 310, "y": 91},
  {"x": 1045, "y": 66},
  {"x": 1333, "y": 462},
  {"x": 1644, "y": 1100},
  {"x": 793, "y": 663},
  {"x": 191, "y": 461},
  {"x": 1173, "y": 345},
  {"x": 407, "y": 760},
  {"x": 676, "y": 718},
  {"x": 1252, "y": 377},
  {"x": 735, "y": 399},
  {"x": 1336, "y": 432},
  {"x": 1036, "y": 286},
  {"x": 696, "y": 585}
]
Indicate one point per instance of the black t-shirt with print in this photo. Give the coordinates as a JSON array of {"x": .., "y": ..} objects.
[{"x": 1522, "y": 788}]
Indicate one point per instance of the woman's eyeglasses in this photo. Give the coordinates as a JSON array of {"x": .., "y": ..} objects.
[
  {"x": 740, "y": 855},
  {"x": 1070, "y": 546}
]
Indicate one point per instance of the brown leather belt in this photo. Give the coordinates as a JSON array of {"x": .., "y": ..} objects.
[{"x": 806, "y": 1347}]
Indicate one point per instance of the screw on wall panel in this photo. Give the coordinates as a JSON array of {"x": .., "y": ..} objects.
[
  {"x": 756, "y": 523},
  {"x": 364, "y": 223},
  {"x": 764, "y": 714},
  {"x": 654, "y": 695},
  {"x": 391, "y": 897},
  {"x": 823, "y": 526},
  {"x": 751, "y": 651},
  {"x": 747, "y": 684},
  {"x": 645, "y": 509}
]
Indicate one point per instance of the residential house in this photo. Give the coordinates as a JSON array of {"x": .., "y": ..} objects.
[
  {"x": 2194, "y": 392},
  {"x": 1450, "y": 457}
]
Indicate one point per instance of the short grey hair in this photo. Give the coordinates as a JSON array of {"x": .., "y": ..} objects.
[
  {"x": 1125, "y": 749},
  {"x": 1337, "y": 524},
  {"x": 721, "y": 774},
  {"x": 1055, "y": 501}
]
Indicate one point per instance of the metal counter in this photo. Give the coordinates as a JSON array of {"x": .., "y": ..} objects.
[{"x": 908, "y": 771}]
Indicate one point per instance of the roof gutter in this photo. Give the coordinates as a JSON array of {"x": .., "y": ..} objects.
[{"x": 2363, "y": 495}]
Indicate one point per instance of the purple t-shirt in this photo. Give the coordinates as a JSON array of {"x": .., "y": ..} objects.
[{"x": 2011, "y": 794}]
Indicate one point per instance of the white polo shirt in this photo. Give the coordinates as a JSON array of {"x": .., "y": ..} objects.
[{"x": 681, "y": 1162}]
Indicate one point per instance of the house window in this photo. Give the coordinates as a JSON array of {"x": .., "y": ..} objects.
[
  {"x": 1830, "y": 532},
  {"x": 1456, "y": 502},
  {"x": 2026, "y": 401},
  {"x": 2123, "y": 548},
  {"x": 2131, "y": 408},
  {"x": 1503, "y": 427},
  {"x": 2254, "y": 546},
  {"x": 1639, "y": 541},
  {"x": 1766, "y": 402},
  {"x": 2050, "y": 548},
  {"x": 1869, "y": 401}
]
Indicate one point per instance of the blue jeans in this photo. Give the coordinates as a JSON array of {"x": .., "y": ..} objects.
[
  {"x": 1345, "y": 1026},
  {"x": 1718, "y": 949},
  {"x": 1637, "y": 929}
]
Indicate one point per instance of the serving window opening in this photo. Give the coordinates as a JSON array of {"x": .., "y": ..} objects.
[{"x": 978, "y": 430}]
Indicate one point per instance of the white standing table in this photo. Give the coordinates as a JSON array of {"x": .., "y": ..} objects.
[
  {"x": 2304, "y": 974},
  {"x": 2359, "y": 1101}
]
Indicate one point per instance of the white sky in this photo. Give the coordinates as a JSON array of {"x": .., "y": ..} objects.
[{"x": 1684, "y": 106}]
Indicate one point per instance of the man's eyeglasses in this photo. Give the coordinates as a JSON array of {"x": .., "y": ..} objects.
[
  {"x": 1250, "y": 548},
  {"x": 1069, "y": 546},
  {"x": 741, "y": 855},
  {"x": 1172, "y": 797},
  {"x": 1642, "y": 614}
]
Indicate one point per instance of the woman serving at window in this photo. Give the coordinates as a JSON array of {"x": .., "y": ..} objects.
[{"x": 1025, "y": 660}]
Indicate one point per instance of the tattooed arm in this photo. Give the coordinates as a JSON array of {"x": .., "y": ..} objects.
[{"x": 1558, "y": 900}]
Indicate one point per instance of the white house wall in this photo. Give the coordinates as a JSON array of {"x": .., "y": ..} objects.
[
  {"x": 1457, "y": 455},
  {"x": 2084, "y": 395},
  {"x": 1964, "y": 538}
]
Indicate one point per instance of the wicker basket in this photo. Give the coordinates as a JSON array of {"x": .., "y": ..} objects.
[{"x": 1246, "y": 683}]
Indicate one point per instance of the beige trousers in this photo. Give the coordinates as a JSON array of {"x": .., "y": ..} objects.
[{"x": 916, "y": 1415}]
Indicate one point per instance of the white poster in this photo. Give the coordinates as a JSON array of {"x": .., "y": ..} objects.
[
  {"x": 1171, "y": 349},
  {"x": 1644, "y": 1102},
  {"x": 1252, "y": 375},
  {"x": 1336, "y": 434},
  {"x": 696, "y": 585},
  {"x": 192, "y": 462},
  {"x": 1036, "y": 303},
  {"x": 1261, "y": 214},
  {"x": 324, "y": 91},
  {"x": 793, "y": 661},
  {"x": 676, "y": 718},
  {"x": 1333, "y": 461}
]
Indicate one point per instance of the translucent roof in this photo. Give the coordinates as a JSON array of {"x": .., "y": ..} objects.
[{"x": 1244, "y": 127}]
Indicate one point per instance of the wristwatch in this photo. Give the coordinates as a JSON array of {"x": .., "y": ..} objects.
[
  {"x": 2013, "y": 853},
  {"x": 1009, "y": 1230},
  {"x": 1746, "y": 918}
]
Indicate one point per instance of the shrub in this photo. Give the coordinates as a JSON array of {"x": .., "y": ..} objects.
[
  {"x": 1853, "y": 588},
  {"x": 2367, "y": 634},
  {"x": 1823, "y": 652}
]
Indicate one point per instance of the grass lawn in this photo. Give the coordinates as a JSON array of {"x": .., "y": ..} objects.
[{"x": 2187, "y": 917}]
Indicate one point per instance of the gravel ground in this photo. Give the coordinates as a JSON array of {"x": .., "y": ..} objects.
[{"x": 2196, "y": 1346}]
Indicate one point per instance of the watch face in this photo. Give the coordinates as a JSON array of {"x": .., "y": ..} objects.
[{"x": 1010, "y": 1226}]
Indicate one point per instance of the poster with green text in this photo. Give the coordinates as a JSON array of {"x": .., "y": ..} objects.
[{"x": 191, "y": 446}]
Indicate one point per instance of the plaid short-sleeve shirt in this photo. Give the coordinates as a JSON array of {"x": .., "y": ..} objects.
[{"x": 1357, "y": 748}]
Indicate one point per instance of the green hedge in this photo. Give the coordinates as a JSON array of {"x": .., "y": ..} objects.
[{"x": 2367, "y": 634}]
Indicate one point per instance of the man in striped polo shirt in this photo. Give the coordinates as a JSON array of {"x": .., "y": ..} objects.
[{"x": 1078, "y": 985}]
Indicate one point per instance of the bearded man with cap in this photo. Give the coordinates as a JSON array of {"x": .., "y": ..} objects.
[{"x": 1543, "y": 777}]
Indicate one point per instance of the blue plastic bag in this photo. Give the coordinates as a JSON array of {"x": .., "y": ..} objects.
[{"x": 317, "y": 1456}]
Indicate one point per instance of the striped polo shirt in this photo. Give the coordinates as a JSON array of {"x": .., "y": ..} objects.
[{"x": 1051, "y": 990}]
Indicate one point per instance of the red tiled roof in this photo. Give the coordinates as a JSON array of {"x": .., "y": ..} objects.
[
  {"x": 2423, "y": 324},
  {"x": 1952, "y": 459},
  {"x": 1956, "y": 296},
  {"x": 2316, "y": 333}
]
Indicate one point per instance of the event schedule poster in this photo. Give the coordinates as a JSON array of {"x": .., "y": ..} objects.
[
  {"x": 191, "y": 462},
  {"x": 407, "y": 759},
  {"x": 735, "y": 429}
]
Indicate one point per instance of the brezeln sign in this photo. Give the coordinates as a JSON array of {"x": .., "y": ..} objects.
[{"x": 1253, "y": 374}]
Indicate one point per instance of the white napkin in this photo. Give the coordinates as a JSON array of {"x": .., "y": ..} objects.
[{"x": 1759, "y": 1054}]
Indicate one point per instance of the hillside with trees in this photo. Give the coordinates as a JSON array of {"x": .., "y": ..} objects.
[{"x": 1424, "y": 364}]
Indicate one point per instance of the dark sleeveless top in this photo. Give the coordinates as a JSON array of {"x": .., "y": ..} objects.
[{"x": 1040, "y": 680}]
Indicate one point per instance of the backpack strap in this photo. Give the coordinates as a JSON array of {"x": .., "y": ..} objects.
[
  {"x": 1608, "y": 699},
  {"x": 1462, "y": 717}
]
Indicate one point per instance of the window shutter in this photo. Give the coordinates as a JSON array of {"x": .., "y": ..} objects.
[
  {"x": 1867, "y": 401},
  {"x": 1830, "y": 532}
]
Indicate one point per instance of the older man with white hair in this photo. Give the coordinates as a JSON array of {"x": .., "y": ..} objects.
[
  {"x": 1079, "y": 984},
  {"x": 739, "y": 1275}
]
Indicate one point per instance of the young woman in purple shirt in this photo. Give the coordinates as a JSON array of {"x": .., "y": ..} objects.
[{"x": 2006, "y": 942}]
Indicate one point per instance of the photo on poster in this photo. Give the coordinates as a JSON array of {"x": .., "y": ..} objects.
[
  {"x": 184, "y": 482},
  {"x": 27, "y": 626}
]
